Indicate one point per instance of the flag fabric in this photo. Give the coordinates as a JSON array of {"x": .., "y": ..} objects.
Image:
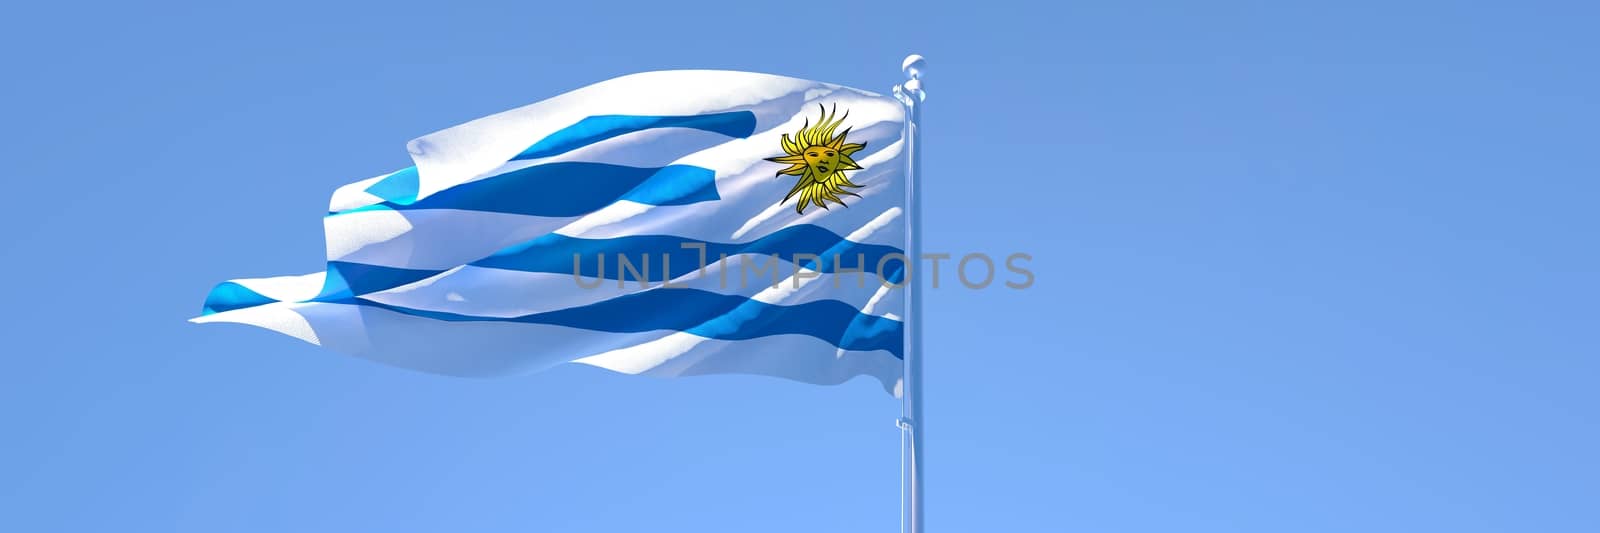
[{"x": 664, "y": 223}]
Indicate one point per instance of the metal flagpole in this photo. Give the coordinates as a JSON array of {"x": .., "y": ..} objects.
[{"x": 912, "y": 447}]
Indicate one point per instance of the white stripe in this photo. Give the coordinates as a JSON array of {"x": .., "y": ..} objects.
[
  {"x": 286, "y": 288},
  {"x": 280, "y": 317},
  {"x": 657, "y": 147},
  {"x": 461, "y": 153},
  {"x": 491, "y": 292},
  {"x": 429, "y": 239},
  {"x": 751, "y": 207},
  {"x": 355, "y": 195},
  {"x": 874, "y": 121}
]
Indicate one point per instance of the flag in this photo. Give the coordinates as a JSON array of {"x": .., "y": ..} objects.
[{"x": 665, "y": 223}]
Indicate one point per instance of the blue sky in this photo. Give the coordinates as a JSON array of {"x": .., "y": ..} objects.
[{"x": 1300, "y": 268}]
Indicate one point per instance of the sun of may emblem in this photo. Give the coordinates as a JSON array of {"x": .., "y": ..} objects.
[{"x": 820, "y": 159}]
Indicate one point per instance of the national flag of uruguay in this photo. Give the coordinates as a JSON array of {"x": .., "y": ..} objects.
[{"x": 517, "y": 241}]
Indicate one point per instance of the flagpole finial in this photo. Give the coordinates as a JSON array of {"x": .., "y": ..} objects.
[{"x": 914, "y": 67}]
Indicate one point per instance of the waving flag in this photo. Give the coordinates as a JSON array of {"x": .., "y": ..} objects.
[{"x": 665, "y": 223}]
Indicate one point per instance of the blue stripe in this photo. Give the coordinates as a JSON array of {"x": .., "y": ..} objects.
[
  {"x": 599, "y": 128},
  {"x": 399, "y": 187},
  {"x": 346, "y": 280},
  {"x": 227, "y": 296},
  {"x": 703, "y": 313},
  {"x": 706, "y": 314},
  {"x": 554, "y": 253},
  {"x": 562, "y": 189}
]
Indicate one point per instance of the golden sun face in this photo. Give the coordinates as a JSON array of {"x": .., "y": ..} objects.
[{"x": 820, "y": 159}]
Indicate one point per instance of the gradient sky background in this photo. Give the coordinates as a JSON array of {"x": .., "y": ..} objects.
[{"x": 1317, "y": 268}]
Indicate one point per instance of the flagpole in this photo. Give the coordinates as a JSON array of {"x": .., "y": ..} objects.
[{"x": 912, "y": 445}]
